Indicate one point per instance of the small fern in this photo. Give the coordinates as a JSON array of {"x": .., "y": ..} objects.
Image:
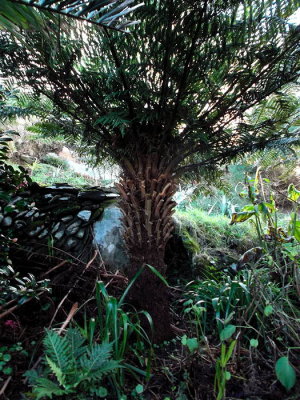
[{"x": 75, "y": 366}]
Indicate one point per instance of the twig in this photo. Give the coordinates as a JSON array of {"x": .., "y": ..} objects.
[
  {"x": 70, "y": 290},
  {"x": 5, "y": 386}
]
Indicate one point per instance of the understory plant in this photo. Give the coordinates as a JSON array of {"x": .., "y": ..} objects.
[
  {"x": 258, "y": 302},
  {"x": 78, "y": 367},
  {"x": 86, "y": 360}
]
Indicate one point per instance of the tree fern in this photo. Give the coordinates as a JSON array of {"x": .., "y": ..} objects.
[{"x": 108, "y": 14}]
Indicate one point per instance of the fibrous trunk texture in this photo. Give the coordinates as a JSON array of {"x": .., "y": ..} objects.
[{"x": 146, "y": 188}]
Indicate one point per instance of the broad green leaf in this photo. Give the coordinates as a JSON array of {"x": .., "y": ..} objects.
[
  {"x": 285, "y": 373},
  {"x": 139, "y": 388},
  {"x": 268, "y": 310},
  {"x": 184, "y": 340},
  {"x": 100, "y": 391},
  {"x": 227, "y": 375},
  {"x": 192, "y": 344},
  {"x": 253, "y": 342},
  {"x": 293, "y": 193},
  {"x": 227, "y": 332},
  {"x": 241, "y": 216}
]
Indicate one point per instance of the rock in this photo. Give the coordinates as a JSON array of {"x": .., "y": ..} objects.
[
  {"x": 73, "y": 228},
  {"x": 7, "y": 221},
  {"x": 30, "y": 214},
  {"x": 59, "y": 235},
  {"x": 43, "y": 234},
  {"x": 1, "y": 218},
  {"x": 15, "y": 200},
  {"x": 63, "y": 187},
  {"x": 48, "y": 196},
  {"x": 85, "y": 215},
  {"x": 108, "y": 236},
  {"x": 65, "y": 198},
  {"x": 80, "y": 234},
  {"x": 36, "y": 231},
  {"x": 96, "y": 195},
  {"x": 67, "y": 219},
  {"x": 70, "y": 244},
  {"x": 55, "y": 227},
  {"x": 19, "y": 224}
]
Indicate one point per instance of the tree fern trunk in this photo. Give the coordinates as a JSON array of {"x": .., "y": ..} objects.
[{"x": 146, "y": 189}]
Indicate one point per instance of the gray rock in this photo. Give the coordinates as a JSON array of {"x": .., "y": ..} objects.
[
  {"x": 70, "y": 244},
  {"x": 73, "y": 228},
  {"x": 108, "y": 236},
  {"x": 43, "y": 234},
  {"x": 7, "y": 221},
  {"x": 36, "y": 231},
  {"x": 59, "y": 235},
  {"x": 48, "y": 196},
  {"x": 94, "y": 195},
  {"x": 67, "y": 218},
  {"x": 30, "y": 214},
  {"x": 16, "y": 200},
  {"x": 80, "y": 234},
  {"x": 62, "y": 188},
  {"x": 19, "y": 224},
  {"x": 55, "y": 227},
  {"x": 1, "y": 218},
  {"x": 85, "y": 215},
  {"x": 65, "y": 198}
]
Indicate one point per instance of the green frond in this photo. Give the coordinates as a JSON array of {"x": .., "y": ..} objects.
[
  {"x": 58, "y": 349},
  {"x": 106, "y": 368},
  {"x": 56, "y": 371},
  {"x": 95, "y": 358},
  {"x": 44, "y": 388},
  {"x": 110, "y": 14},
  {"x": 76, "y": 341}
]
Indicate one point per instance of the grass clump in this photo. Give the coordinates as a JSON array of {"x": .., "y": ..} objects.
[
  {"x": 46, "y": 174},
  {"x": 204, "y": 231},
  {"x": 55, "y": 161}
]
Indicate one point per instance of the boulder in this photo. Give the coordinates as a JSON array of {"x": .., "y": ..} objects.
[{"x": 108, "y": 237}]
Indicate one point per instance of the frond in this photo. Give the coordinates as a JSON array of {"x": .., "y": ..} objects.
[
  {"x": 44, "y": 388},
  {"x": 58, "y": 349},
  {"x": 76, "y": 341},
  {"x": 94, "y": 361},
  {"x": 110, "y": 14}
]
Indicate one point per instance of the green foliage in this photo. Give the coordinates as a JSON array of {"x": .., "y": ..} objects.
[
  {"x": 110, "y": 15},
  {"x": 199, "y": 71},
  {"x": 222, "y": 375},
  {"x": 285, "y": 373},
  {"x": 7, "y": 353},
  {"x": 46, "y": 174},
  {"x": 14, "y": 287},
  {"x": 78, "y": 367},
  {"x": 264, "y": 213},
  {"x": 55, "y": 161},
  {"x": 201, "y": 231}
]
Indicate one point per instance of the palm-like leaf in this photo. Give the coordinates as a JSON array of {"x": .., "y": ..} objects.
[{"x": 106, "y": 13}]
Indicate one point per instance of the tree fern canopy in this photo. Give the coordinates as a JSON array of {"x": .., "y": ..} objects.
[
  {"x": 106, "y": 13},
  {"x": 181, "y": 82}
]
